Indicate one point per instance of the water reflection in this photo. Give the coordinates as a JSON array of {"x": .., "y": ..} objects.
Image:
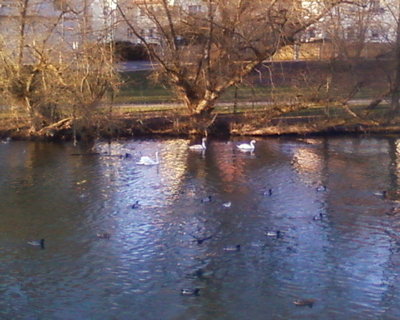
[{"x": 338, "y": 245}]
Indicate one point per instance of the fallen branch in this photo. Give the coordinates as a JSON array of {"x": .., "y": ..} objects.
[{"x": 60, "y": 125}]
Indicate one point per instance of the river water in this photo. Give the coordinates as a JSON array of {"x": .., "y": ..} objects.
[{"x": 339, "y": 242}]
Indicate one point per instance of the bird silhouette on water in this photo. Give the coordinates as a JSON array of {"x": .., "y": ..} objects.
[
  {"x": 276, "y": 234},
  {"x": 136, "y": 205},
  {"x": 103, "y": 235},
  {"x": 207, "y": 199},
  {"x": 190, "y": 292},
  {"x": 37, "y": 243},
  {"x": 201, "y": 240},
  {"x": 232, "y": 248},
  {"x": 268, "y": 193}
]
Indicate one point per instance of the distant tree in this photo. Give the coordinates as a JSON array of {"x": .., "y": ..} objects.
[
  {"x": 204, "y": 49},
  {"x": 353, "y": 25}
]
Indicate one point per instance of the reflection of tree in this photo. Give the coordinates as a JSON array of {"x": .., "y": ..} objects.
[
  {"x": 41, "y": 182},
  {"x": 229, "y": 167}
]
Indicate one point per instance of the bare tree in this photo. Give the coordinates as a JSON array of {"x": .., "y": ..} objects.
[
  {"x": 202, "y": 52},
  {"x": 49, "y": 76}
]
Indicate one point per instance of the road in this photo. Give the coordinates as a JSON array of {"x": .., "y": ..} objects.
[{"x": 134, "y": 66}]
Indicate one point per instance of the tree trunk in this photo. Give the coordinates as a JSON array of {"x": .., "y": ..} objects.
[
  {"x": 201, "y": 116},
  {"x": 35, "y": 119},
  {"x": 203, "y": 108},
  {"x": 21, "y": 40}
]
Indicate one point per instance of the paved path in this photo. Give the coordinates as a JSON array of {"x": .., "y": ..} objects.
[
  {"x": 171, "y": 105},
  {"x": 134, "y": 66}
]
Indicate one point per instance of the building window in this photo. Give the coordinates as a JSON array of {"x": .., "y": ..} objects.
[
  {"x": 194, "y": 9},
  {"x": 375, "y": 34},
  {"x": 374, "y": 4}
]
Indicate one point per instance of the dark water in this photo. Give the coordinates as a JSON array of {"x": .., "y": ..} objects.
[{"x": 347, "y": 258}]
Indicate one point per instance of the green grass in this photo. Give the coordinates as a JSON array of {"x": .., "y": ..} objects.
[
  {"x": 146, "y": 96},
  {"x": 138, "y": 88}
]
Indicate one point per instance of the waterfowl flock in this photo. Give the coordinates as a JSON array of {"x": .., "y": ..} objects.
[
  {"x": 200, "y": 240},
  {"x": 149, "y": 161},
  {"x": 234, "y": 250}
]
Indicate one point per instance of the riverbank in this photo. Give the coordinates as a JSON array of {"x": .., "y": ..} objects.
[
  {"x": 122, "y": 122},
  {"x": 143, "y": 108}
]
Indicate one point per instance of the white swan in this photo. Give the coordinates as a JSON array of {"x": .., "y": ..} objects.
[
  {"x": 201, "y": 146},
  {"x": 247, "y": 146},
  {"x": 147, "y": 161}
]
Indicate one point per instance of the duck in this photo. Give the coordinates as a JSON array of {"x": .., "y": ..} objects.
[
  {"x": 103, "y": 235},
  {"x": 394, "y": 211},
  {"x": 135, "y": 205},
  {"x": 304, "y": 302},
  {"x": 227, "y": 204},
  {"x": 207, "y": 199},
  {"x": 321, "y": 188},
  {"x": 37, "y": 243},
  {"x": 232, "y": 248},
  {"x": 393, "y": 195},
  {"x": 247, "y": 146},
  {"x": 7, "y": 140},
  {"x": 319, "y": 217},
  {"x": 268, "y": 193},
  {"x": 276, "y": 234},
  {"x": 200, "y": 274},
  {"x": 380, "y": 193},
  {"x": 201, "y": 240},
  {"x": 147, "y": 161},
  {"x": 190, "y": 292},
  {"x": 200, "y": 147}
]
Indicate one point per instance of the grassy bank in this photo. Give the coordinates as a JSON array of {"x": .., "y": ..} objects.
[{"x": 275, "y": 82}]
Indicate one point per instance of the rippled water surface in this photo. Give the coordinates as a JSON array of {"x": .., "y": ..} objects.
[{"x": 339, "y": 245}]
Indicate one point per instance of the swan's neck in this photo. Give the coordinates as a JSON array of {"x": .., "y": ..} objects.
[
  {"x": 252, "y": 144},
  {"x": 203, "y": 144},
  {"x": 156, "y": 157}
]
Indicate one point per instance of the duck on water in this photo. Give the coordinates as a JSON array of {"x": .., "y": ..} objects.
[{"x": 37, "y": 243}]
